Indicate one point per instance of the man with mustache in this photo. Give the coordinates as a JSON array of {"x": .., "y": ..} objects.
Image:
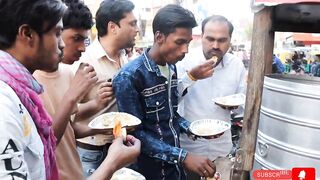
[
  {"x": 227, "y": 76},
  {"x": 147, "y": 88}
]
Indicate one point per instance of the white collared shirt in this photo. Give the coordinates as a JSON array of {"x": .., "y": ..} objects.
[{"x": 228, "y": 78}]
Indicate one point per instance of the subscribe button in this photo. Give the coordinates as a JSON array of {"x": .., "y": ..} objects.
[{"x": 294, "y": 174}]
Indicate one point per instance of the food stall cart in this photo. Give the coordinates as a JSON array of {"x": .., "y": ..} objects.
[{"x": 270, "y": 16}]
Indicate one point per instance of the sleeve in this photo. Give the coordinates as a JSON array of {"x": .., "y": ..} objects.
[
  {"x": 128, "y": 101},
  {"x": 183, "y": 123},
  {"x": 184, "y": 81},
  {"x": 13, "y": 163}
]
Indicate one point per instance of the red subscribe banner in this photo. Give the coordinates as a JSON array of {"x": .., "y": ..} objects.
[{"x": 300, "y": 173}]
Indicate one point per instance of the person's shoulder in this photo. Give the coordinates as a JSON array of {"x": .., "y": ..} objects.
[
  {"x": 9, "y": 101},
  {"x": 233, "y": 61},
  {"x": 6, "y": 92},
  {"x": 65, "y": 68},
  {"x": 133, "y": 65},
  {"x": 131, "y": 68},
  {"x": 232, "y": 58}
]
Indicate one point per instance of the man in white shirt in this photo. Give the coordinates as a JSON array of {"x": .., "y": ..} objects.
[{"x": 225, "y": 77}]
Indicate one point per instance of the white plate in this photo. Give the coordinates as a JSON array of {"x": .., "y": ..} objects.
[
  {"x": 231, "y": 100},
  {"x": 127, "y": 174},
  {"x": 209, "y": 127},
  {"x": 107, "y": 120}
]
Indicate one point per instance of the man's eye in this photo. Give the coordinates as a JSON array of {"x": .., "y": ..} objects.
[
  {"x": 58, "y": 33},
  {"x": 78, "y": 38},
  {"x": 222, "y": 40},
  {"x": 133, "y": 23}
]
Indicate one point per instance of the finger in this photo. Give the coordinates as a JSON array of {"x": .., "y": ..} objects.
[
  {"x": 89, "y": 68},
  {"x": 211, "y": 169},
  {"x": 210, "y": 72},
  {"x": 105, "y": 90},
  {"x": 109, "y": 84},
  {"x": 201, "y": 172},
  {"x": 94, "y": 79},
  {"x": 104, "y": 98},
  {"x": 102, "y": 85},
  {"x": 134, "y": 141},
  {"x": 211, "y": 164},
  {"x": 209, "y": 63},
  {"x": 128, "y": 143},
  {"x": 130, "y": 138},
  {"x": 207, "y": 66},
  {"x": 83, "y": 65},
  {"x": 92, "y": 74}
]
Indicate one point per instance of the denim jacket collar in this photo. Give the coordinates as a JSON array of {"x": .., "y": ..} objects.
[{"x": 151, "y": 65}]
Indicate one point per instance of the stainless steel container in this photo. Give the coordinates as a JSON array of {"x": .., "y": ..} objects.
[{"x": 289, "y": 126}]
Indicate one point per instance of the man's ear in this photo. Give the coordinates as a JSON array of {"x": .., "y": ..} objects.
[
  {"x": 112, "y": 27},
  {"x": 159, "y": 37},
  {"x": 26, "y": 34}
]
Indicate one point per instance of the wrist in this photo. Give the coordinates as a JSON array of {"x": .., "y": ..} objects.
[
  {"x": 110, "y": 165},
  {"x": 191, "y": 76}
]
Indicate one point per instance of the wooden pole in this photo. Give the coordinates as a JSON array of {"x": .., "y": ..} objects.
[{"x": 261, "y": 63}]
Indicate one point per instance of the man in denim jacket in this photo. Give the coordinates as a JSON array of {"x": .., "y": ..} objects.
[{"x": 147, "y": 89}]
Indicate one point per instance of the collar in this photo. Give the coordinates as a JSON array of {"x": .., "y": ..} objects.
[
  {"x": 151, "y": 65},
  {"x": 99, "y": 52},
  {"x": 12, "y": 68}
]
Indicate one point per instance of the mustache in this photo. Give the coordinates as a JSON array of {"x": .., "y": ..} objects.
[
  {"x": 213, "y": 51},
  {"x": 61, "y": 56}
]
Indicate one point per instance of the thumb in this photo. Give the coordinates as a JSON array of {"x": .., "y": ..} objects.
[
  {"x": 209, "y": 62},
  {"x": 119, "y": 140}
]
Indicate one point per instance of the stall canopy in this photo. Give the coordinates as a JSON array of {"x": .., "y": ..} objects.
[
  {"x": 293, "y": 15},
  {"x": 307, "y": 38},
  {"x": 276, "y": 2}
]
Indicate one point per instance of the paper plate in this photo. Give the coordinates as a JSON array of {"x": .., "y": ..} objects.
[
  {"x": 107, "y": 120},
  {"x": 127, "y": 174},
  {"x": 231, "y": 100},
  {"x": 209, "y": 127}
]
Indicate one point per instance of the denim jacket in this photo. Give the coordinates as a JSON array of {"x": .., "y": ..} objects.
[{"x": 144, "y": 92}]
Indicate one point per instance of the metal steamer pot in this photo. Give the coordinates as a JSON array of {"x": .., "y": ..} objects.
[{"x": 289, "y": 126}]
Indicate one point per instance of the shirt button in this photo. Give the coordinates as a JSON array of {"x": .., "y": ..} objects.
[
  {"x": 175, "y": 161},
  {"x": 157, "y": 103}
]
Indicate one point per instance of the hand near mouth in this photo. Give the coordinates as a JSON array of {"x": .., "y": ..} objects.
[{"x": 214, "y": 59}]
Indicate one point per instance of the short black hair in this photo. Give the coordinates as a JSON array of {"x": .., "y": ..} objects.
[
  {"x": 219, "y": 18},
  {"x": 77, "y": 16},
  {"x": 111, "y": 10},
  {"x": 40, "y": 15},
  {"x": 171, "y": 17}
]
